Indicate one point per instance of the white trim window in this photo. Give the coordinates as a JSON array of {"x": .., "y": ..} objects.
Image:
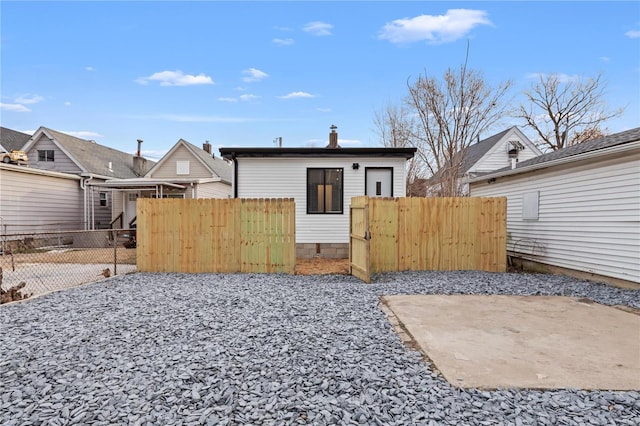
[{"x": 530, "y": 205}]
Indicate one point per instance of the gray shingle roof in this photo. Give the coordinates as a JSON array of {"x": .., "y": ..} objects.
[
  {"x": 95, "y": 158},
  {"x": 474, "y": 153},
  {"x": 218, "y": 165},
  {"x": 13, "y": 140},
  {"x": 581, "y": 148}
]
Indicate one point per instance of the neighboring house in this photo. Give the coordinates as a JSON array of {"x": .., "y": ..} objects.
[
  {"x": 12, "y": 140},
  {"x": 55, "y": 151},
  {"x": 575, "y": 210},
  {"x": 186, "y": 171},
  {"x": 322, "y": 182},
  {"x": 33, "y": 200},
  {"x": 505, "y": 149}
]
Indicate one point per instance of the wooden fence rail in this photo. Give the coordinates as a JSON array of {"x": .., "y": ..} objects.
[
  {"x": 443, "y": 234},
  {"x": 216, "y": 235}
]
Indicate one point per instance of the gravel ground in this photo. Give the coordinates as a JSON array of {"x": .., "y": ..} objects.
[{"x": 263, "y": 349}]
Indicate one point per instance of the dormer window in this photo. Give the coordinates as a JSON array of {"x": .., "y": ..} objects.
[{"x": 513, "y": 148}]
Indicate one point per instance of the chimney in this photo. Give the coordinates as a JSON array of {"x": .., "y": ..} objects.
[
  {"x": 207, "y": 147},
  {"x": 139, "y": 162},
  {"x": 333, "y": 137}
]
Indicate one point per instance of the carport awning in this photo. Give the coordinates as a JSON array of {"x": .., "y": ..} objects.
[{"x": 136, "y": 184}]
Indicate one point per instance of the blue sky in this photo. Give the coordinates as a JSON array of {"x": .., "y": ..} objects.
[{"x": 245, "y": 73}]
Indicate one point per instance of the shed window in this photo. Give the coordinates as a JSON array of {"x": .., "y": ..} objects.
[
  {"x": 530, "y": 203},
  {"x": 324, "y": 191},
  {"x": 182, "y": 167},
  {"x": 45, "y": 155}
]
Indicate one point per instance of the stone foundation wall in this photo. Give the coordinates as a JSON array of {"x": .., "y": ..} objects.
[{"x": 325, "y": 250}]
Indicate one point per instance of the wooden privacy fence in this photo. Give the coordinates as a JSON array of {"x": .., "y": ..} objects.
[
  {"x": 216, "y": 235},
  {"x": 442, "y": 234}
]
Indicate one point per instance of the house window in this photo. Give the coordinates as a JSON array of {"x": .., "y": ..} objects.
[
  {"x": 103, "y": 199},
  {"x": 324, "y": 191},
  {"x": 530, "y": 205},
  {"x": 168, "y": 196},
  {"x": 45, "y": 155},
  {"x": 182, "y": 167}
]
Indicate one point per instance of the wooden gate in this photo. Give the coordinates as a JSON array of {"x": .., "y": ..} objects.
[{"x": 359, "y": 247}]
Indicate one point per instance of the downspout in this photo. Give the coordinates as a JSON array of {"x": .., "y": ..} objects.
[
  {"x": 235, "y": 175},
  {"x": 83, "y": 186},
  {"x": 193, "y": 191}
]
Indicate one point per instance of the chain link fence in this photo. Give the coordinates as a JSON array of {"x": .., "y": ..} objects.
[{"x": 40, "y": 262}]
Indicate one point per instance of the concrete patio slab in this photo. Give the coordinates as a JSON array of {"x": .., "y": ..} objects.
[{"x": 542, "y": 342}]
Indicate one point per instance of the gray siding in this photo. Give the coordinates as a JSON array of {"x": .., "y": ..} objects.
[
  {"x": 62, "y": 162},
  {"x": 167, "y": 168},
  {"x": 32, "y": 201},
  {"x": 213, "y": 190},
  {"x": 588, "y": 215}
]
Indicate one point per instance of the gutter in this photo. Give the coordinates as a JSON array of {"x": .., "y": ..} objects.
[
  {"x": 579, "y": 157},
  {"x": 235, "y": 175}
]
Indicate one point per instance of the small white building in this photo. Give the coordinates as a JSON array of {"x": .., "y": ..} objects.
[
  {"x": 575, "y": 210},
  {"x": 322, "y": 182}
]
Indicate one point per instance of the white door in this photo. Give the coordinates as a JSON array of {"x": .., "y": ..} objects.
[
  {"x": 379, "y": 182},
  {"x": 130, "y": 207}
]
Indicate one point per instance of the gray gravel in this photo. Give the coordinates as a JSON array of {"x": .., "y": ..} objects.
[{"x": 259, "y": 349}]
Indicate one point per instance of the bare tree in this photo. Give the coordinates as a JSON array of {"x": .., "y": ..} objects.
[
  {"x": 566, "y": 111},
  {"x": 394, "y": 124},
  {"x": 450, "y": 116}
]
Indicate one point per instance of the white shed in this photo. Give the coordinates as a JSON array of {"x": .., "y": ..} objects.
[
  {"x": 322, "y": 182},
  {"x": 575, "y": 210}
]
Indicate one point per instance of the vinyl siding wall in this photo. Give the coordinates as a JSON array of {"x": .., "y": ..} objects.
[
  {"x": 213, "y": 190},
  {"x": 589, "y": 215},
  {"x": 61, "y": 162},
  {"x": 498, "y": 157},
  {"x": 287, "y": 178},
  {"x": 168, "y": 168},
  {"x": 34, "y": 202}
]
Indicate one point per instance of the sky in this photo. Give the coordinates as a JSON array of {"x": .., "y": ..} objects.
[{"x": 242, "y": 74}]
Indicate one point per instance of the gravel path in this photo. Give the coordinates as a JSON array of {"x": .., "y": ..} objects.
[{"x": 257, "y": 349}]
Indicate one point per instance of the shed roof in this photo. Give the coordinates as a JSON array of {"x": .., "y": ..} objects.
[
  {"x": 12, "y": 140},
  {"x": 572, "y": 152},
  {"x": 231, "y": 153}
]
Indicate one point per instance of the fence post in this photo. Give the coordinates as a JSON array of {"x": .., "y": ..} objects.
[{"x": 115, "y": 252}]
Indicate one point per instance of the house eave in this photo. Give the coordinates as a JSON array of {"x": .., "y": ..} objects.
[
  {"x": 230, "y": 153},
  {"x": 560, "y": 161}
]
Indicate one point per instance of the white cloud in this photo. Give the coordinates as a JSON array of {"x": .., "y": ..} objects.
[
  {"x": 253, "y": 75},
  {"x": 283, "y": 41},
  {"x": 349, "y": 142},
  {"x": 318, "y": 28},
  {"x": 89, "y": 68},
  {"x": 28, "y": 99},
  {"x": 83, "y": 134},
  {"x": 323, "y": 109},
  {"x": 633, "y": 33},
  {"x": 154, "y": 154},
  {"x": 434, "y": 28},
  {"x": 249, "y": 97},
  {"x": 605, "y": 58},
  {"x": 67, "y": 103},
  {"x": 14, "y": 107},
  {"x": 176, "y": 78},
  {"x": 296, "y": 95},
  {"x": 244, "y": 98}
]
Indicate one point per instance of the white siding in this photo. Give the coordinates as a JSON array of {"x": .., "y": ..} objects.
[
  {"x": 31, "y": 201},
  {"x": 213, "y": 190},
  {"x": 61, "y": 162},
  {"x": 287, "y": 178},
  {"x": 498, "y": 156},
  {"x": 589, "y": 215},
  {"x": 168, "y": 166}
]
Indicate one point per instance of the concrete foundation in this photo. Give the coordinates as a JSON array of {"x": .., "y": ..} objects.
[{"x": 324, "y": 250}]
